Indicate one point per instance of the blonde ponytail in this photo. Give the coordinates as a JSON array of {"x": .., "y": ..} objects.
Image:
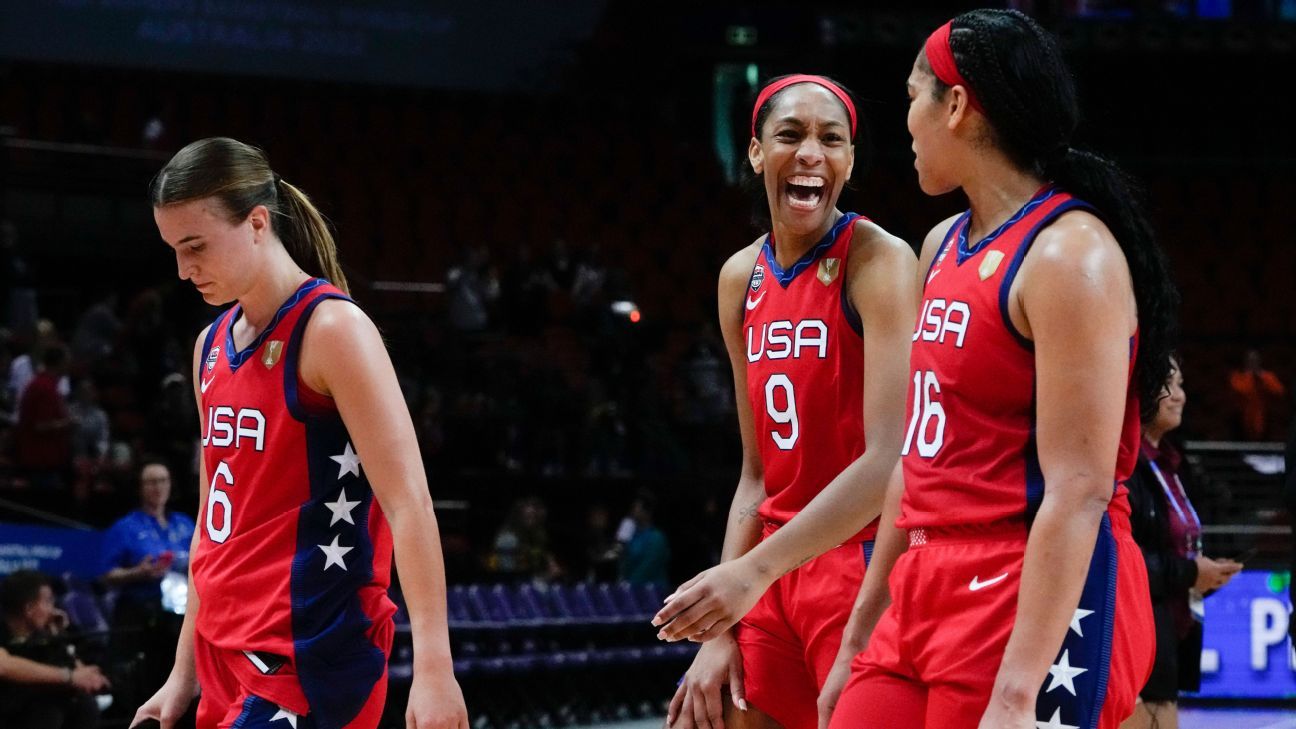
[{"x": 307, "y": 235}]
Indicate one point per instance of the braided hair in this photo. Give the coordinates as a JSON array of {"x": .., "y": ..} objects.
[{"x": 1017, "y": 72}]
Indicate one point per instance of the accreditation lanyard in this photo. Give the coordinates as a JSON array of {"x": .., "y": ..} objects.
[{"x": 1190, "y": 518}]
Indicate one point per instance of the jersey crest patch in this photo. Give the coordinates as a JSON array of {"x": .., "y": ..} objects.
[
  {"x": 828, "y": 270},
  {"x": 990, "y": 264},
  {"x": 274, "y": 348},
  {"x": 758, "y": 277},
  {"x": 212, "y": 357}
]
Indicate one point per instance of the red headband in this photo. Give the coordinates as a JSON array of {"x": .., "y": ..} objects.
[
  {"x": 802, "y": 78},
  {"x": 941, "y": 59}
]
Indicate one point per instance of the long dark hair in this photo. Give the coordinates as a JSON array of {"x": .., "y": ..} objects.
[
  {"x": 754, "y": 184},
  {"x": 1017, "y": 72},
  {"x": 239, "y": 176}
]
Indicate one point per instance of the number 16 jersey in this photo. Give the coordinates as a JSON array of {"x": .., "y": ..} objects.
[{"x": 805, "y": 372}]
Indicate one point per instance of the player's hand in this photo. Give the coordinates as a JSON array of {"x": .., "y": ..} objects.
[
  {"x": 711, "y": 603},
  {"x": 833, "y": 685},
  {"x": 697, "y": 703},
  {"x": 169, "y": 703},
  {"x": 435, "y": 702}
]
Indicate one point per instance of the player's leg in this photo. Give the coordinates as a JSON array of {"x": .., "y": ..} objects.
[
  {"x": 221, "y": 692},
  {"x": 877, "y": 699}
]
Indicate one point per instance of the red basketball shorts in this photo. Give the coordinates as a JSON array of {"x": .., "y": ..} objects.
[
  {"x": 790, "y": 639},
  {"x": 230, "y": 699},
  {"x": 932, "y": 660}
]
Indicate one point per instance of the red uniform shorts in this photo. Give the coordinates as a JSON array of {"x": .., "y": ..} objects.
[
  {"x": 230, "y": 699},
  {"x": 932, "y": 660},
  {"x": 790, "y": 639}
]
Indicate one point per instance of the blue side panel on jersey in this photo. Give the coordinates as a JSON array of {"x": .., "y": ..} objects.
[
  {"x": 260, "y": 714},
  {"x": 1020, "y": 255},
  {"x": 1090, "y": 650},
  {"x": 867, "y": 546},
  {"x": 237, "y": 358},
  {"x": 292, "y": 357},
  {"x": 336, "y": 662},
  {"x": 785, "y": 277}
]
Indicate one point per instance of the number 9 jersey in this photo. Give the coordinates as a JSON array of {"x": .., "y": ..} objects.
[
  {"x": 294, "y": 559},
  {"x": 805, "y": 365}
]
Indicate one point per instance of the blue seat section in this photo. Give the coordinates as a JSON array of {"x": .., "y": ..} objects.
[{"x": 532, "y": 628}]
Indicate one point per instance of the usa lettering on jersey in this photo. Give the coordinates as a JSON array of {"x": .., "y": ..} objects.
[
  {"x": 782, "y": 339},
  {"x": 227, "y": 427},
  {"x": 941, "y": 319}
]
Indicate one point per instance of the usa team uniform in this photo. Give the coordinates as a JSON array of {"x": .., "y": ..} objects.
[
  {"x": 973, "y": 485},
  {"x": 293, "y": 560},
  {"x": 805, "y": 363}
]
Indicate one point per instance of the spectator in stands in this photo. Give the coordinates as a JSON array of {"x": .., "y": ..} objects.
[
  {"x": 472, "y": 287},
  {"x": 139, "y": 551},
  {"x": 1258, "y": 393},
  {"x": 23, "y": 368},
  {"x": 20, "y": 312},
  {"x": 646, "y": 558},
  {"x": 89, "y": 437},
  {"x": 44, "y": 441},
  {"x": 522, "y": 544},
  {"x": 602, "y": 552},
  {"x": 172, "y": 430},
  {"x": 96, "y": 332},
  {"x": 1168, "y": 531},
  {"x": 42, "y": 685}
]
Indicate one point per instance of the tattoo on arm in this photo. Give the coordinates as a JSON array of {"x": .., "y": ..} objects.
[{"x": 748, "y": 512}]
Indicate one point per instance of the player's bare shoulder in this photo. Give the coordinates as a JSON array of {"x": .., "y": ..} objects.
[
  {"x": 872, "y": 244},
  {"x": 736, "y": 271}
]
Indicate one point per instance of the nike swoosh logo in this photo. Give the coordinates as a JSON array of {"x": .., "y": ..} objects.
[
  {"x": 977, "y": 584},
  {"x": 206, "y": 384},
  {"x": 932, "y": 275},
  {"x": 751, "y": 304}
]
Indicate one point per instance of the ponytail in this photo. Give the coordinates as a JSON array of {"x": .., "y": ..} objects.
[
  {"x": 1119, "y": 201},
  {"x": 306, "y": 234}
]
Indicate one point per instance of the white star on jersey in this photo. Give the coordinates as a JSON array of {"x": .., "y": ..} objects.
[
  {"x": 285, "y": 714},
  {"x": 1080, "y": 614},
  {"x": 1062, "y": 672},
  {"x": 341, "y": 509},
  {"x": 333, "y": 554},
  {"x": 1055, "y": 722},
  {"x": 349, "y": 462}
]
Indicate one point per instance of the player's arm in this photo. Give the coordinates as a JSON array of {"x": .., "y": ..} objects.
[
  {"x": 697, "y": 702},
  {"x": 892, "y": 541},
  {"x": 173, "y": 699},
  {"x": 344, "y": 357},
  {"x": 1076, "y": 302},
  {"x": 882, "y": 272}
]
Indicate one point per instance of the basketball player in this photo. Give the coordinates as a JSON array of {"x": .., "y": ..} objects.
[
  {"x": 310, "y": 472},
  {"x": 1022, "y": 600},
  {"x": 805, "y": 311}
]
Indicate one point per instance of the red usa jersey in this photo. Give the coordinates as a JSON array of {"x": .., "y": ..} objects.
[
  {"x": 969, "y": 454},
  {"x": 294, "y": 558},
  {"x": 805, "y": 372}
]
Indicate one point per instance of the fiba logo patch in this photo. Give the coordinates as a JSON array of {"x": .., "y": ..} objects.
[
  {"x": 212, "y": 357},
  {"x": 758, "y": 276}
]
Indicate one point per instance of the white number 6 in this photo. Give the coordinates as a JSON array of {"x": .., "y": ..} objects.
[{"x": 214, "y": 497}]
